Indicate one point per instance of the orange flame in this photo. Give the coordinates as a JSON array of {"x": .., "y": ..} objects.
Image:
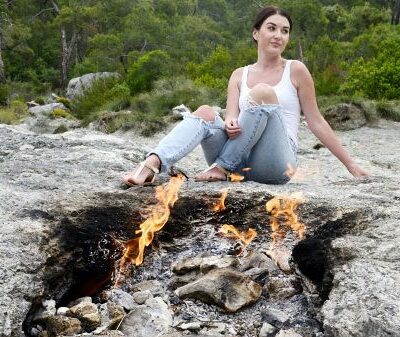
[
  {"x": 235, "y": 177},
  {"x": 283, "y": 210},
  {"x": 245, "y": 237},
  {"x": 220, "y": 205},
  {"x": 166, "y": 195}
]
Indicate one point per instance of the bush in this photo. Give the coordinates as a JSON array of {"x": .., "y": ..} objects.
[
  {"x": 389, "y": 110},
  {"x": 61, "y": 113},
  {"x": 99, "y": 94},
  {"x": 379, "y": 77},
  {"x": 146, "y": 70},
  {"x": 4, "y": 93},
  {"x": 7, "y": 116}
]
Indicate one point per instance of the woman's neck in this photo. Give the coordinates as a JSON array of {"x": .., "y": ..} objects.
[{"x": 265, "y": 62}]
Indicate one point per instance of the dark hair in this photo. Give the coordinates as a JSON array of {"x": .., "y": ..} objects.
[{"x": 266, "y": 12}]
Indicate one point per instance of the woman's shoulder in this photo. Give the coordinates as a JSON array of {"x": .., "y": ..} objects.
[
  {"x": 237, "y": 74},
  {"x": 297, "y": 66},
  {"x": 298, "y": 72}
]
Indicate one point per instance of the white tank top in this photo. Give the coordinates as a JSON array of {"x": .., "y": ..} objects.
[{"x": 287, "y": 98}]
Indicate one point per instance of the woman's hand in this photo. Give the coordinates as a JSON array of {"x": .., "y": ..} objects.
[
  {"x": 357, "y": 171},
  {"x": 232, "y": 128}
]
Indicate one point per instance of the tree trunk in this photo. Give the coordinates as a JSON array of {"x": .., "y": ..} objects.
[
  {"x": 66, "y": 55},
  {"x": 396, "y": 13},
  {"x": 301, "y": 51},
  {"x": 2, "y": 71}
]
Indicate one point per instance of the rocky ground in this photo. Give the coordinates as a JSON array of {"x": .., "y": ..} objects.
[{"x": 49, "y": 182}]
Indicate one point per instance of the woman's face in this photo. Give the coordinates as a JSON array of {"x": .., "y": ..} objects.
[{"x": 273, "y": 35}]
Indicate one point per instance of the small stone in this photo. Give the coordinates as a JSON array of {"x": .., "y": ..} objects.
[
  {"x": 88, "y": 314},
  {"x": 62, "y": 325},
  {"x": 155, "y": 287},
  {"x": 258, "y": 275},
  {"x": 63, "y": 311},
  {"x": 142, "y": 296},
  {"x": 193, "y": 326},
  {"x": 86, "y": 299},
  {"x": 267, "y": 330},
  {"x": 275, "y": 317},
  {"x": 256, "y": 259},
  {"x": 214, "y": 262},
  {"x": 111, "y": 314},
  {"x": 151, "y": 319},
  {"x": 282, "y": 287},
  {"x": 288, "y": 333},
  {"x": 47, "y": 310},
  {"x": 123, "y": 299}
]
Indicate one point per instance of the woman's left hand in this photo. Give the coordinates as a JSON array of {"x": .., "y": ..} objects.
[{"x": 357, "y": 171}]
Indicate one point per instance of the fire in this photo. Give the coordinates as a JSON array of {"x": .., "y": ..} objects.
[
  {"x": 235, "y": 177},
  {"x": 166, "y": 195},
  {"x": 220, "y": 205},
  {"x": 283, "y": 212},
  {"x": 245, "y": 237}
]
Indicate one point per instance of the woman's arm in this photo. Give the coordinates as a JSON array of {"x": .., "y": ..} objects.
[
  {"x": 232, "y": 104},
  {"x": 302, "y": 79}
]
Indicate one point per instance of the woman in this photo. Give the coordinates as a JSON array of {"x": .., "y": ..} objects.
[{"x": 262, "y": 117}]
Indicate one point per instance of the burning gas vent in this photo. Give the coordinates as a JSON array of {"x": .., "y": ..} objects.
[{"x": 230, "y": 262}]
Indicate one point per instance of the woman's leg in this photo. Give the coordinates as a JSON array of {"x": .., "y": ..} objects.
[
  {"x": 252, "y": 121},
  {"x": 196, "y": 128},
  {"x": 273, "y": 154}
]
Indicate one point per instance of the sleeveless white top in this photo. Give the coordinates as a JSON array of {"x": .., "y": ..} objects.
[{"x": 287, "y": 98}]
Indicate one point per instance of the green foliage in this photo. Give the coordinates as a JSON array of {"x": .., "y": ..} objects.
[
  {"x": 147, "y": 69},
  {"x": 61, "y": 113},
  {"x": 4, "y": 93},
  {"x": 14, "y": 113},
  {"x": 389, "y": 110},
  {"x": 64, "y": 100},
  {"x": 378, "y": 77},
  {"x": 94, "y": 98},
  {"x": 7, "y": 116}
]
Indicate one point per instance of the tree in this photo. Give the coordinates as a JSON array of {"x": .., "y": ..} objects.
[{"x": 396, "y": 13}]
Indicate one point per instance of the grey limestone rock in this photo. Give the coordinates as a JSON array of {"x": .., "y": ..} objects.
[
  {"x": 77, "y": 86},
  {"x": 151, "y": 319},
  {"x": 225, "y": 287},
  {"x": 43, "y": 175}
]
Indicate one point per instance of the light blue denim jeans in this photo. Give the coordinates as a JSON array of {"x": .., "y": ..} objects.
[{"x": 263, "y": 144}]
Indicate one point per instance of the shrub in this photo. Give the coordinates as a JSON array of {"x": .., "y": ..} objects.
[
  {"x": 147, "y": 69},
  {"x": 378, "y": 77},
  {"x": 4, "y": 93},
  {"x": 94, "y": 99},
  {"x": 7, "y": 116},
  {"x": 61, "y": 113},
  {"x": 389, "y": 110}
]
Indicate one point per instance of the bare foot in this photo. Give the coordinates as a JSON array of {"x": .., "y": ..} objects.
[
  {"x": 213, "y": 173},
  {"x": 144, "y": 173}
]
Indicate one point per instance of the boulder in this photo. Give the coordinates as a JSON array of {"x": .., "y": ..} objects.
[
  {"x": 77, "y": 86},
  {"x": 345, "y": 116}
]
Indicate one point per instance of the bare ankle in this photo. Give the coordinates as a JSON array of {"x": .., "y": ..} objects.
[{"x": 154, "y": 161}]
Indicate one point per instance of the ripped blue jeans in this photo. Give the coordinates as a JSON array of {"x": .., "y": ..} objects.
[{"x": 263, "y": 145}]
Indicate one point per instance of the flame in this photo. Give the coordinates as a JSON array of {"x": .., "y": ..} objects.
[
  {"x": 166, "y": 195},
  {"x": 246, "y": 169},
  {"x": 283, "y": 209},
  {"x": 245, "y": 237},
  {"x": 235, "y": 177},
  {"x": 220, "y": 205}
]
